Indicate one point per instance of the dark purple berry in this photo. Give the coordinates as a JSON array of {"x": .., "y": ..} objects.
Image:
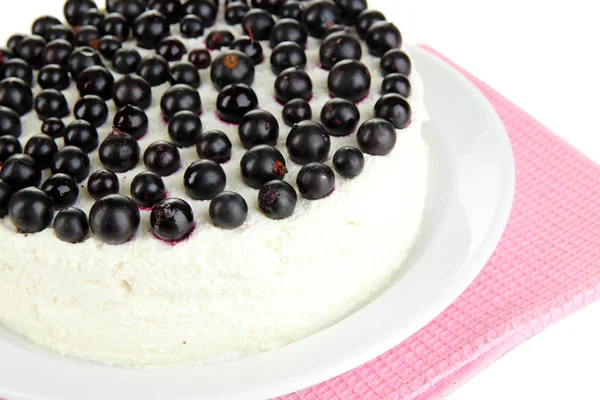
[
  {"x": 234, "y": 13},
  {"x": 57, "y": 52},
  {"x": 61, "y": 32},
  {"x": 9, "y": 146},
  {"x": 50, "y": 103},
  {"x": 154, "y": 69},
  {"x": 17, "y": 68},
  {"x": 171, "y": 49},
  {"x": 108, "y": 46},
  {"x": 337, "y": 47},
  {"x": 395, "y": 61},
  {"x": 20, "y": 171},
  {"x": 258, "y": 127},
  {"x": 96, "y": 81},
  {"x": 132, "y": 90},
  {"x": 205, "y": 9},
  {"x": 103, "y": 183},
  {"x": 349, "y": 162},
  {"x": 287, "y": 30},
  {"x": 366, "y": 19},
  {"x": 351, "y": 9},
  {"x": 132, "y": 120},
  {"x": 184, "y": 73},
  {"x": 308, "y": 142},
  {"x": 340, "y": 117},
  {"x": 249, "y": 47},
  {"x": 93, "y": 17},
  {"x": 257, "y": 24},
  {"x": 91, "y": 108},
  {"x": 315, "y": 181},
  {"x": 81, "y": 58},
  {"x": 30, "y": 210},
  {"x": 13, "y": 42},
  {"x": 31, "y": 49},
  {"x": 126, "y": 61},
  {"x": 293, "y": 83},
  {"x": 192, "y": 27},
  {"x": 75, "y": 9},
  {"x": 62, "y": 189},
  {"x": 85, "y": 35},
  {"x": 53, "y": 76},
  {"x": 185, "y": 128},
  {"x": 172, "y": 219},
  {"x": 287, "y": 55},
  {"x": 42, "y": 148},
  {"x": 376, "y": 137},
  {"x": 171, "y": 9},
  {"x": 180, "y": 98},
  {"x": 320, "y": 15},
  {"x": 218, "y": 39},
  {"x": 119, "y": 152},
  {"x": 81, "y": 134},
  {"x": 71, "y": 225},
  {"x": 149, "y": 28},
  {"x": 381, "y": 37},
  {"x": 53, "y": 127},
  {"x": 130, "y": 9},
  {"x": 396, "y": 83},
  {"x": 10, "y": 123},
  {"x": 296, "y": 110},
  {"x": 262, "y": 164},
  {"x": 234, "y": 101},
  {"x": 147, "y": 189},
  {"x": 204, "y": 179},
  {"x": 292, "y": 9},
  {"x": 215, "y": 146},
  {"x": 162, "y": 158},
  {"x": 277, "y": 200},
  {"x": 5, "y": 194},
  {"x": 228, "y": 210},
  {"x": 394, "y": 108},
  {"x": 16, "y": 95},
  {"x": 232, "y": 67},
  {"x": 116, "y": 25},
  {"x": 72, "y": 161},
  {"x": 272, "y": 6},
  {"x": 115, "y": 219},
  {"x": 350, "y": 80},
  {"x": 200, "y": 58}
]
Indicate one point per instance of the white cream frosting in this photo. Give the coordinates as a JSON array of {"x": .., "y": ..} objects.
[{"x": 221, "y": 294}]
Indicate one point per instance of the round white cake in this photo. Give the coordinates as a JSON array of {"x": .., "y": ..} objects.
[{"x": 221, "y": 294}]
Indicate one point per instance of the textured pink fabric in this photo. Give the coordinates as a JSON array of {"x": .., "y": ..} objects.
[{"x": 546, "y": 267}]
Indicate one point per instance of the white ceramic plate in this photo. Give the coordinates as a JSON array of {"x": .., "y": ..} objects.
[{"x": 470, "y": 196}]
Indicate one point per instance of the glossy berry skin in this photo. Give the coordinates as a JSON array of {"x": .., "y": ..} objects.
[
  {"x": 258, "y": 127},
  {"x": 103, "y": 183},
  {"x": 116, "y": 25},
  {"x": 81, "y": 134},
  {"x": 395, "y": 61},
  {"x": 340, "y": 117},
  {"x": 272, "y": 6},
  {"x": 41, "y": 25},
  {"x": 396, "y": 83},
  {"x": 71, "y": 225},
  {"x": 132, "y": 120},
  {"x": 57, "y": 52},
  {"x": 381, "y": 37},
  {"x": 108, "y": 46},
  {"x": 20, "y": 171},
  {"x": 154, "y": 69},
  {"x": 92, "y": 109},
  {"x": 234, "y": 101},
  {"x": 130, "y": 9},
  {"x": 200, "y": 58},
  {"x": 85, "y": 35},
  {"x": 262, "y": 164},
  {"x": 349, "y": 162},
  {"x": 74, "y": 10},
  {"x": 162, "y": 158},
  {"x": 287, "y": 55},
  {"x": 257, "y": 24},
  {"x": 232, "y": 67},
  {"x": 53, "y": 76},
  {"x": 31, "y": 49},
  {"x": 114, "y": 219},
  {"x": 62, "y": 189},
  {"x": 96, "y": 81},
  {"x": 30, "y": 210},
  {"x": 204, "y": 179},
  {"x": 394, "y": 108},
  {"x": 9, "y": 146},
  {"x": 350, "y": 80},
  {"x": 215, "y": 146},
  {"x": 292, "y": 9},
  {"x": 308, "y": 142},
  {"x": 17, "y": 68},
  {"x": 149, "y": 28},
  {"x": 185, "y": 128},
  {"x": 249, "y": 47},
  {"x": 56, "y": 32},
  {"x": 376, "y": 137},
  {"x": 192, "y": 26},
  {"x": 315, "y": 181},
  {"x": 42, "y": 149},
  {"x": 53, "y": 127},
  {"x": 228, "y": 210},
  {"x": 234, "y": 12},
  {"x": 147, "y": 189},
  {"x": 320, "y": 15},
  {"x": 172, "y": 220},
  {"x": 119, "y": 152},
  {"x": 5, "y": 194},
  {"x": 351, "y": 9},
  {"x": 93, "y": 17},
  {"x": 171, "y": 49},
  {"x": 133, "y": 90},
  {"x": 287, "y": 30},
  {"x": 337, "y": 47},
  {"x": 205, "y": 9},
  {"x": 171, "y": 9},
  {"x": 184, "y": 73},
  {"x": 80, "y": 59},
  {"x": 13, "y": 42},
  {"x": 72, "y": 161},
  {"x": 293, "y": 83},
  {"x": 180, "y": 98},
  {"x": 16, "y": 95},
  {"x": 126, "y": 61},
  {"x": 366, "y": 19},
  {"x": 218, "y": 39},
  {"x": 50, "y": 103},
  {"x": 338, "y": 28},
  {"x": 10, "y": 123},
  {"x": 277, "y": 200}
]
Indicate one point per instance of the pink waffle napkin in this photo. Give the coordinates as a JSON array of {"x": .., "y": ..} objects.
[{"x": 546, "y": 267}]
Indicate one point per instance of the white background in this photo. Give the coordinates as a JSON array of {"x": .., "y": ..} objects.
[{"x": 544, "y": 56}]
